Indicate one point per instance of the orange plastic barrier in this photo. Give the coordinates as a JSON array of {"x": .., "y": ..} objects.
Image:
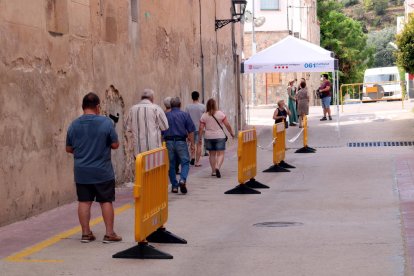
[
  {"x": 247, "y": 155},
  {"x": 279, "y": 149},
  {"x": 151, "y": 206},
  {"x": 247, "y": 164},
  {"x": 150, "y": 192},
  {"x": 279, "y": 146},
  {"x": 305, "y": 148}
]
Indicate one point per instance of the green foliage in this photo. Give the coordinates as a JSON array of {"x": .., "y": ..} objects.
[
  {"x": 384, "y": 52},
  {"x": 368, "y": 4},
  {"x": 380, "y": 6},
  {"x": 405, "y": 43},
  {"x": 344, "y": 36}
]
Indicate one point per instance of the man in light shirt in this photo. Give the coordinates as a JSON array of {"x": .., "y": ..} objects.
[
  {"x": 196, "y": 110},
  {"x": 145, "y": 121}
]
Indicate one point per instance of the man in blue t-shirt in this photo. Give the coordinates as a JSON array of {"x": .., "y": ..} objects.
[
  {"x": 90, "y": 139},
  {"x": 181, "y": 128}
]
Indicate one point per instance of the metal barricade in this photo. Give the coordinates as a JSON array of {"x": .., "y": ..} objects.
[
  {"x": 151, "y": 206},
  {"x": 247, "y": 164},
  {"x": 279, "y": 149},
  {"x": 352, "y": 93}
]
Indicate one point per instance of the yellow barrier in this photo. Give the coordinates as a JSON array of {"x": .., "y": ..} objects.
[
  {"x": 279, "y": 149},
  {"x": 150, "y": 192},
  {"x": 374, "y": 91},
  {"x": 246, "y": 153},
  {"x": 247, "y": 164},
  {"x": 305, "y": 148},
  {"x": 151, "y": 206}
]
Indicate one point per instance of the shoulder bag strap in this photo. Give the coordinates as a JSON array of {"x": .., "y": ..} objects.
[{"x": 220, "y": 126}]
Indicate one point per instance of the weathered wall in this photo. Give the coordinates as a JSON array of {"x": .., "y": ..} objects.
[{"x": 55, "y": 51}]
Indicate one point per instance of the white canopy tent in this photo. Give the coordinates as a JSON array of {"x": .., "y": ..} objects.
[{"x": 295, "y": 55}]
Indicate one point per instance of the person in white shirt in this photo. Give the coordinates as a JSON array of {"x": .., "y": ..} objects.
[{"x": 145, "y": 121}]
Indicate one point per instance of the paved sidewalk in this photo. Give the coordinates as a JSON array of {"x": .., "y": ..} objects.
[{"x": 350, "y": 209}]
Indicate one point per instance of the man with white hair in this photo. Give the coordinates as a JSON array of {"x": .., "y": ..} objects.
[{"x": 145, "y": 121}]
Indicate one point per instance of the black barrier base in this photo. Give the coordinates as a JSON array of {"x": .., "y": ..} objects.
[
  {"x": 164, "y": 236},
  {"x": 276, "y": 168},
  {"x": 142, "y": 251},
  {"x": 253, "y": 183},
  {"x": 306, "y": 150},
  {"x": 285, "y": 165},
  {"x": 241, "y": 189}
]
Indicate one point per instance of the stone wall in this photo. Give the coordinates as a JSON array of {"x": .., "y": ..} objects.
[{"x": 55, "y": 51}]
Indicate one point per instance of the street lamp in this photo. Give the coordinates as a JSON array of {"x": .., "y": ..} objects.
[{"x": 237, "y": 12}]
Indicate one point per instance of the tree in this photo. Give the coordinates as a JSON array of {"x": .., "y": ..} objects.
[
  {"x": 380, "y": 6},
  {"x": 384, "y": 52},
  {"x": 344, "y": 36},
  {"x": 405, "y": 43}
]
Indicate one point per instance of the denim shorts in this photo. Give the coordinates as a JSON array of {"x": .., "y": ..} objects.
[
  {"x": 326, "y": 102},
  {"x": 215, "y": 144}
]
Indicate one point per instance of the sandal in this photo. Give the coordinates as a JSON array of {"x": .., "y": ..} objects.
[
  {"x": 197, "y": 165},
  {"x": 88, "y": 238},
  {"x": 174, "y": 190}
]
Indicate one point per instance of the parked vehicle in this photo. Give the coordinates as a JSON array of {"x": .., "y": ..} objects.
[{"x": 382, "y": 83}]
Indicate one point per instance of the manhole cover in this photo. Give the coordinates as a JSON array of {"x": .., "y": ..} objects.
[{"x": 277, "y": 224}]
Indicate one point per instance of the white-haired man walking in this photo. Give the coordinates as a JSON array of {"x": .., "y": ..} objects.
[{"x": 145, "y": 121}]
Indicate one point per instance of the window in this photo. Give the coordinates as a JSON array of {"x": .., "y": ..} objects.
[
  {"x": 134, "y": 10},
  {"x": 273, "y": 79},
  {"x": 269, "y": 4}
]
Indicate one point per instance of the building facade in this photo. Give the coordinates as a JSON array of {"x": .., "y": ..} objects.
[
  {"x": 281, "y": 18},
  {"x": 53, "y": 52}
]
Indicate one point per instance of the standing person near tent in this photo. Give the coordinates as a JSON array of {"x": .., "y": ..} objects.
[
  {"x": 281, "y": 113},
  {"x": 291, "y": 90},
  {"x": 303, "y": 102},
  {"x": 325, "y": 90}
]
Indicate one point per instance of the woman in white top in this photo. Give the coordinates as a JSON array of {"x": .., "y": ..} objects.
[{"x": 214, "y": 137}]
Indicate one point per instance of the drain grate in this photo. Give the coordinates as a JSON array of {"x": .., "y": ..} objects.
[
  {"x": 381, "y": 144},
  {"x": 277, "y": 224}
]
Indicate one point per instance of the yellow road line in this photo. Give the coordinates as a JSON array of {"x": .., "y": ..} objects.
[{"x": 20, "y": 256}]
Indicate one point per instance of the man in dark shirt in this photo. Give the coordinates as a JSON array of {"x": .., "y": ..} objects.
[
  {"x": 181, "y": 128},
  {"x": 325, "y": 90},
  {"x": 90, "y": 139}
]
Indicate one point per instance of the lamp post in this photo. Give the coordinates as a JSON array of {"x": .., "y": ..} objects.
[{"x": 237, "y": 12}]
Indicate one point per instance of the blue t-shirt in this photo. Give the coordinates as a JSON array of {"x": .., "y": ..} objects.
[
  {"x": 91, "y": 137},
  {"x": 179, "y": 122}
]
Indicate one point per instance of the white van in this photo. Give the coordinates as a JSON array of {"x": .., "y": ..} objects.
[{"x": 382, "y": 83}]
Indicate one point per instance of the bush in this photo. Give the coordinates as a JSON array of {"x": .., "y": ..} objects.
[
  {"x": 368, "y": 4},
  {"x": 380, "y": 6}
]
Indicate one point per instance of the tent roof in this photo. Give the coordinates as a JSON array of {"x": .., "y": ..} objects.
[{"x": 291, "y": 55}]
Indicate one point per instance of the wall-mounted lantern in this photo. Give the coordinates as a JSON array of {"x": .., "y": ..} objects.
[{"x": 237, "y": 11}]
